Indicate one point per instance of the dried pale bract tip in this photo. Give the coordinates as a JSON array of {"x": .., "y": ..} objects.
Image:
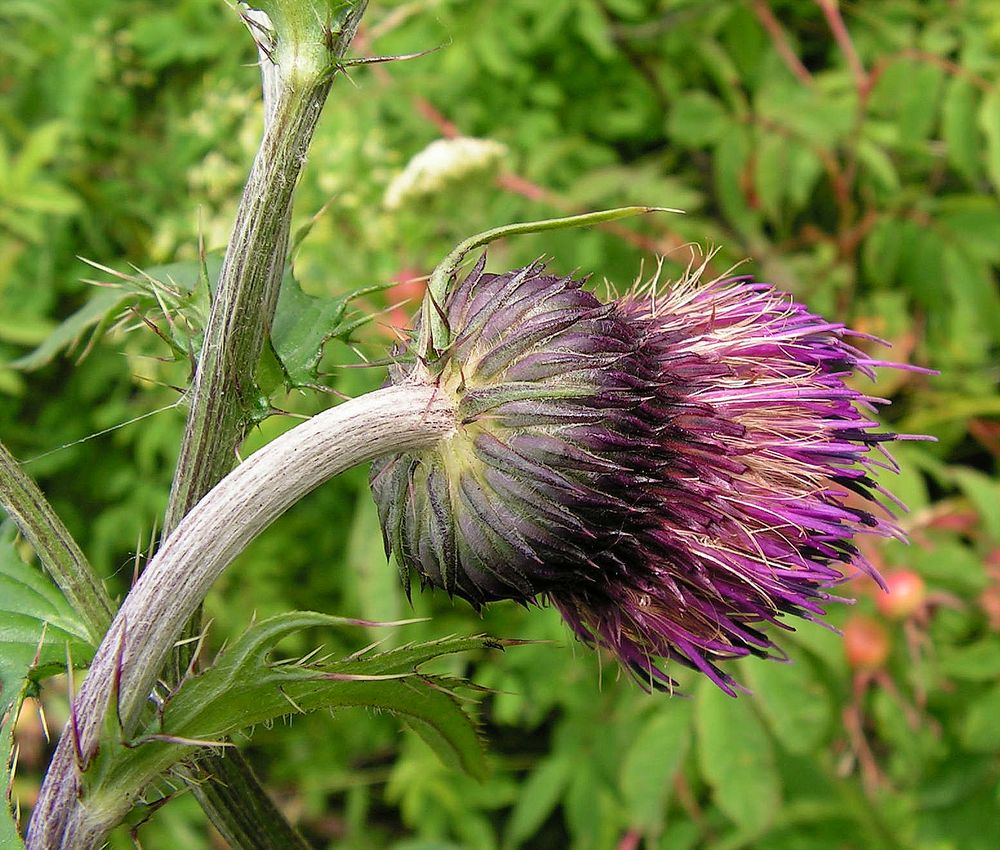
[{"x": 671, "y": 470}]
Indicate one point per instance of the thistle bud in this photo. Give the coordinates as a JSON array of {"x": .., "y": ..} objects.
[{"x": 671, "y": 470}]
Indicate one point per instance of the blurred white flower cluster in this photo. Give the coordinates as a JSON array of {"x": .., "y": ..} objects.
[{"x": 442, "y": 162}]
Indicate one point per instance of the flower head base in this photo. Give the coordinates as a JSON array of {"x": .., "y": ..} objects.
[{"x": 671, "y": 470}]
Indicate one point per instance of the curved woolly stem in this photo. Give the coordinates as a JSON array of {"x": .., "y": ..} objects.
[{"x": 205, "y": 542}]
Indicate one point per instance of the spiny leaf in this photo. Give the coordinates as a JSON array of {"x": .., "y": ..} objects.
[
  {"x": 245, "y": 688},
  {"x": 36, "y": 627},
  {"x": 303, "y": 324},
  {"x": 106, "y": 303}
]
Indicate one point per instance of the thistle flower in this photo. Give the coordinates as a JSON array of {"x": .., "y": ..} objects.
[{"x": 671, "y": 470}]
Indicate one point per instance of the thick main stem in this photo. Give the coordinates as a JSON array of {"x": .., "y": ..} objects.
[
  {"x": 177, "y": 579},
  {"x": 296, "y": 58},
  {"x": 244, "y": 302}
]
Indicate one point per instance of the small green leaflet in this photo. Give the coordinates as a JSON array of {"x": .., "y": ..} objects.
[
  {"x": 736, "y": 758},
  {"x": 245, "y": 688},
  {"x": 37, "y": 631},
  {"x": 651, "y": 763}
]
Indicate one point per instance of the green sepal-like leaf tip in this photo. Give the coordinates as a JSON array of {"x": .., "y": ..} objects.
[{"x": 435, "y": 334}]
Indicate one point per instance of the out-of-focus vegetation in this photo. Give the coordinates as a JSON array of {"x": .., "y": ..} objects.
[{"x": 851, "y": 156}]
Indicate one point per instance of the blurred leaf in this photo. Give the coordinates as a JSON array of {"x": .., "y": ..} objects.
[
  {"x": 771, "y": 174},
  {"x": 538, "y": 798},
  {"x": 977, "y": 662},
  {"x": 821, "y": 118},
  {"x": 586, "y": 808},
  {"x": 99, "y": 309},
  {"x": 950, "y": 564},
  {"x": 882, "y": 251},
  {"x": 878, "y": 164},
  {"x": 651, "y": 763},
  {"x": 592, "y": 25},
  {"x": 697, "y": 119},
  {"x": 918, "y": 105},
  {"x": 377, "y": 592},
  {"x": 795, "y": 705},
  {"x": 731, "y": 163},
  {"x": 960, "y": 130},
  {"x": 989, "y": 121},
  {"x": 24, "y": 331},
  {"x": 736, "y": 758},
  {"x": 981, "y": 731},
  {"x": 984, "y": 493},
  {"x": 973, "y": 222}
]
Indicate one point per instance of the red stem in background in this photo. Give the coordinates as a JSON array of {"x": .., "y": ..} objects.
[
  {"x": 831, "y": 11},
  {"x": 773, "y": 27}
]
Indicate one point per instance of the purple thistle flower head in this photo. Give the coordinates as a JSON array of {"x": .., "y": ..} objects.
[{"x": 671, "y": 470}]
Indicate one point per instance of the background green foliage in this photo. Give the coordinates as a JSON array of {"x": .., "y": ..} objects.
[{"x": 858, "y": 168}]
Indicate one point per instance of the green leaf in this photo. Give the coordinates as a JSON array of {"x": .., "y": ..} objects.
[
  {"x": 649, "y": 766},
  {"x": 770, "y": 167},
  {"x": 39, "y": 149},
  {"x": 958, "y": 126},
  {"x": 881, "y": 253},
  {"x": 37, "y": 630},
  {"x": 977, "y": 662},
  {"x": 974, "y": 222},
  {"x": 984, "y": 493},
  {"x": 36, "y": 624},
  {"x": 795, "y": 705},
  {"x": 989, "y": 121},
  {"x": 374, "y": 589},
  {"x": 101, "y": 307},
  {"x": 736, "y": 758},
  {"x": 951, "y": 564},
  {"x": 918, "y": 105},
  {"x": 697, "y": 119},
  {"x": 24, "y": 330},
  {"x": 244, "y": 687},
  {"x": 731, "y": 164},
  {"x": 592, "y": 26},
  {"x": 878, "y": 166},
  {"x": 538, "y": 798},
  {"x": 981, "y": 732},
  {"x": 303, "y": 324},
  {"x": 106, "y": 303}
]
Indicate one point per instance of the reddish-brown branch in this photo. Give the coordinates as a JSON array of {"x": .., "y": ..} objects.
[
  {"x": 831, "y": 11},
  {"x": 431, "y": 113},
  {"x": 779, "y": 40}
]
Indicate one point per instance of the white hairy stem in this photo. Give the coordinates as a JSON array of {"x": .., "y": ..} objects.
[{"x": 176, "y": 581}]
